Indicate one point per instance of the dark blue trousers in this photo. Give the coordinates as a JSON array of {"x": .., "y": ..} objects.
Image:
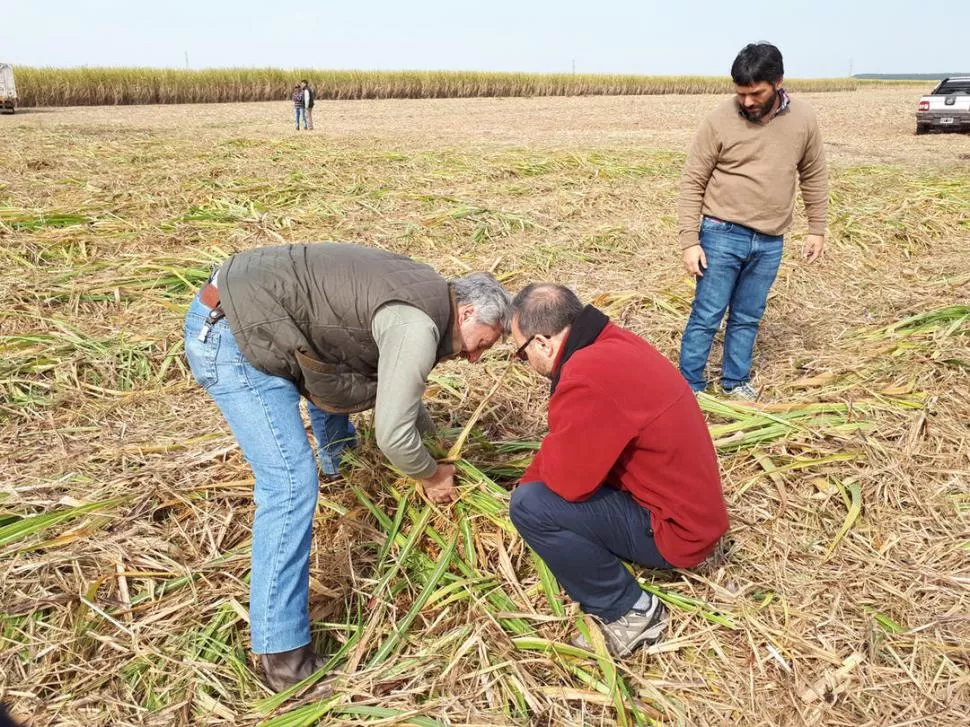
[{"x": 584, "y": 544}]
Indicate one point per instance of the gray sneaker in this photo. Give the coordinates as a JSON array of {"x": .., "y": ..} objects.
[
  {"x": 743, "y": 392},
  {"x": 628, "y": 633}
]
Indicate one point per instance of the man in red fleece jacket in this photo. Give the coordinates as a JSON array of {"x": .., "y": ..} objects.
[{"x": 627, "y": 471}]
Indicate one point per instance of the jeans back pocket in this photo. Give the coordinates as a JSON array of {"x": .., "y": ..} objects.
[{"x": 202, "y": 355}]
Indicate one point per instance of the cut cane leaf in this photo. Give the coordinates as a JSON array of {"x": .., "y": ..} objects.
[
  {"x": 604, "y": 660},
  {"x": 24, "y": 528},
  {"x": 852, "y": 496}
]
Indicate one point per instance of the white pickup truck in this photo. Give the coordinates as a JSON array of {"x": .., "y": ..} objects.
[
  {"x": 948, "y": 107},
  {"x": 8, "y": 89}
]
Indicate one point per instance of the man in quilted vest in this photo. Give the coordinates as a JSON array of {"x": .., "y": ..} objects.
[{"x": 348, "y": 328}]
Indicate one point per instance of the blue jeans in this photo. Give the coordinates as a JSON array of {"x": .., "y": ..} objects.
[
  {"x": 263, "y": 412},
  {"x": 300, "y": 114},
  {"x": 584, "y": 543},
  {"x": 741, "y": 266}
]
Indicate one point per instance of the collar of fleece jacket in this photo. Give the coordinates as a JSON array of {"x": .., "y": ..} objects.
[{"x": 585, "y": 329}]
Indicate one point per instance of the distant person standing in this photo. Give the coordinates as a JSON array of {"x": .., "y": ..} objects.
[
  {"x": 299, "y": 106},
  {"x": 737, "y": 197},
  {"x": 309, "y": 97}
]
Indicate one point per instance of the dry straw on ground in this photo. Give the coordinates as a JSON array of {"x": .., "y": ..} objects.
[{"x": 839, "y": 598}]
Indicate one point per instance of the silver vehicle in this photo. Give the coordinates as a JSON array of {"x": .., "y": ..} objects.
[
  {"x": 8, "y": 89},
  {"x": 948, "y": 107}
]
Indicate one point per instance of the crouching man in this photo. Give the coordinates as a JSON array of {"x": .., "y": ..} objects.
[
  {"x": 627, "y": 471},
  {"x": 349, "y": 328}
]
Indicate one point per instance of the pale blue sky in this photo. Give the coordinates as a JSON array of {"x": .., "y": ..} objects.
[{"x": 820, "y": 38}]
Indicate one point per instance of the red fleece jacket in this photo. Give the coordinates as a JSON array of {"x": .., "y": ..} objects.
[{"x": 622, "y": 414}]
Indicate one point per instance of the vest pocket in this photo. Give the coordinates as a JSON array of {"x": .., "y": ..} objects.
[{"x": 335, "y": 388}]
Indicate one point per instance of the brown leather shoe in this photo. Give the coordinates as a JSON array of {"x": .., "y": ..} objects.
[{"x": 286, "y": 668}]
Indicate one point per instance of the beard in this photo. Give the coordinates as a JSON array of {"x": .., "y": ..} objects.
[{"x": 761, "y": 110}]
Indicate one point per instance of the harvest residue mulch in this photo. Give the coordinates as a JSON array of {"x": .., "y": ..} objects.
[{"x": 840, "y": 597}]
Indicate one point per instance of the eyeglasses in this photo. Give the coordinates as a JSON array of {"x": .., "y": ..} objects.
[{"x": 520, "y": 353}]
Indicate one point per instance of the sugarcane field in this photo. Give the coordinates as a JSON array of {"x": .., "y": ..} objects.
[{"x": 838, "y": 593}]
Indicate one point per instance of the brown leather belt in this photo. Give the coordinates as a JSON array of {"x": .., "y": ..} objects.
[{"x": 209, "y": 296}]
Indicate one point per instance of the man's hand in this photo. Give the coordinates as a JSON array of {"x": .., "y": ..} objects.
[
  {"x": 813, "y": 248},
  {"x": 440, "y": 487},
  {"x": 695, "y": 260}
]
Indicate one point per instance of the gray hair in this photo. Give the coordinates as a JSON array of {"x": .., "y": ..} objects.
[{"x": 492, "y": 302}]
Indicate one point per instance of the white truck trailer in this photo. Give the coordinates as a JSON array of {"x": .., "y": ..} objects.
[{"x": 8, "y": 89}]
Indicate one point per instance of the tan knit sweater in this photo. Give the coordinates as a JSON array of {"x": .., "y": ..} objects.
[{"x": 744, "y": 172}]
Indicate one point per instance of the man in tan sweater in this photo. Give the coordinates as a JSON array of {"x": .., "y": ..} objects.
[{"x": 737, "y": 196}]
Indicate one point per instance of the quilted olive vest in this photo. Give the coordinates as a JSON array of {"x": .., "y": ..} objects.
[{"x": 304, "y": 312}]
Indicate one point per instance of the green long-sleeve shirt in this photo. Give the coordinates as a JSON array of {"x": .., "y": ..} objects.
[{"x": 407, "y": 341}]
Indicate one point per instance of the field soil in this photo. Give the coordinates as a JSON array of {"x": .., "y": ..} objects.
[{"x": 864, "y": 126}]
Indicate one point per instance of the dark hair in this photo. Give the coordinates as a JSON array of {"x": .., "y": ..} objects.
[
  {"x": 305, "y": 81},
  {"x": 757, "y": 62},
  {"x": 6, "y": 720},
  {"x": 545, "y": 309}
]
